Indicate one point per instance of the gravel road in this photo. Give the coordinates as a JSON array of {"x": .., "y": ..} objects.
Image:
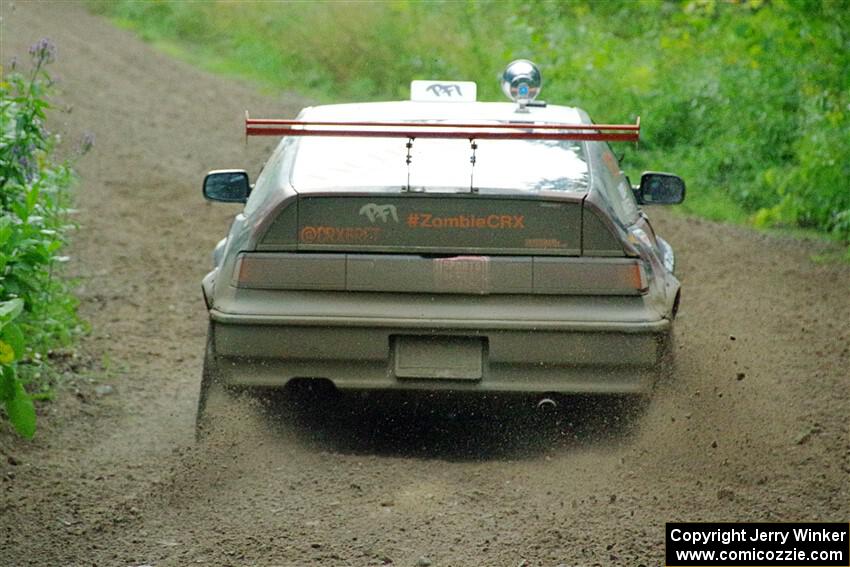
[{"x": 754, "y": 426}]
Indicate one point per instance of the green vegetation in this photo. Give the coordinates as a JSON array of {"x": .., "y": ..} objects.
[
  {"x": 748, "y": 100},
  {"x": 37, "y": 310}
]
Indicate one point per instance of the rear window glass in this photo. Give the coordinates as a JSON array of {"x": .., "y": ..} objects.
[{"x": 527, "y": 165}]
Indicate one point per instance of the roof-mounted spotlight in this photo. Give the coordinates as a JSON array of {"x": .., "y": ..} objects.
[{"x": 521, "y": 82}]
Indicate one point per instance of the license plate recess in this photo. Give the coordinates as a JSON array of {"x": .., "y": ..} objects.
[{"x": 438, "y": 357}]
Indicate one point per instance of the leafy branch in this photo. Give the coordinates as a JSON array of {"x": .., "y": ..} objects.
[{"x": 37, "y": 309}]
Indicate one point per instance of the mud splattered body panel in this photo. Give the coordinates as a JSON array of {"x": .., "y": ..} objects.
[{"x": 352, "y": 268}]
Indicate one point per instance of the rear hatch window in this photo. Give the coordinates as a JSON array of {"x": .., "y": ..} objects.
[
  {"x": 352, "y": 196},
  {"x": 439, "y": 165}
]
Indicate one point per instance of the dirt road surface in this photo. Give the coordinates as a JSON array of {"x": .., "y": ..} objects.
[{"x": 753, "y": 427}]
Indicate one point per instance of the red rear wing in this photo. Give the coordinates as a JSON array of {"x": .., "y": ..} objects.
[{"x": 444, "y": 130}]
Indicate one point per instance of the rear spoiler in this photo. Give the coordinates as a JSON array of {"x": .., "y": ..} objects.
[{"x": 444, "y": 130}]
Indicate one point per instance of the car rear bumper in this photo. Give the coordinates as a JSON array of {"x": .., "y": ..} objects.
[{"x": 534, "y": 355}]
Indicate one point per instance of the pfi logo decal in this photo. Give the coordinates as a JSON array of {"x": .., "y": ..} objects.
[
  {"x": 448, "y": 90},
  {"x": 376, "y": 212}
]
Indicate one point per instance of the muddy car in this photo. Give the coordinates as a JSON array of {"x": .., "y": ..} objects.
[{"x": 442, "y": 243}]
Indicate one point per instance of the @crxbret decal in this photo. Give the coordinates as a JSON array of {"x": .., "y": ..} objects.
[{"x": 375, "y": 212}]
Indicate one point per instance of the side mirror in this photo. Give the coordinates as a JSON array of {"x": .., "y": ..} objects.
[
  {"x": 227, "y": 186},
  {"x": 660, "y": 189}
]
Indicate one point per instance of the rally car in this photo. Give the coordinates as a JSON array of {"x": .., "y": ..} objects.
[{"x": 442, "y": 243}]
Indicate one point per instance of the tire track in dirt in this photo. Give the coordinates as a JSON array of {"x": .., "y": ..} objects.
[{"x": 118, "y": 480}]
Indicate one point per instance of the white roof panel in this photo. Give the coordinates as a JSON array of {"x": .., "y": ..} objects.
[{"x": 457, "y": 112}]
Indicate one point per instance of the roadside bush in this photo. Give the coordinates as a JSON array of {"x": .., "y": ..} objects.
[{"x": 37, "y": 309}]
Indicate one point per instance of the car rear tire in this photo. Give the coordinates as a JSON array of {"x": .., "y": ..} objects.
[
  {"x": 213, "y": 393},
  {"x": 666, "y": 370}
]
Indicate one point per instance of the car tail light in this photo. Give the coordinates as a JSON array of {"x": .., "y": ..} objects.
[
  {"x": 589, "y": 276},
  {"x": 291, "y": 271}
]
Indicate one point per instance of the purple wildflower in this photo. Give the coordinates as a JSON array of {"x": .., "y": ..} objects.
[
  {"x": 87, "y": 142},
  {"x": 26, "y": 165},
  {"x": 43, "y": 51}
]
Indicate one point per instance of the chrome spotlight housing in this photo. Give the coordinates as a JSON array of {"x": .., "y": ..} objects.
[{"x": 521, "y": 82}]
